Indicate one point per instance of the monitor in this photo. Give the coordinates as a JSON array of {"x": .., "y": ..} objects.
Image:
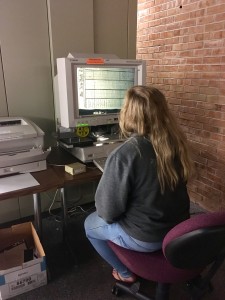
[{"x": 91, "y": 90}]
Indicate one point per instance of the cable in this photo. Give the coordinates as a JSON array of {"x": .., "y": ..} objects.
[
  {"x": 57, "y": 218},
  {"x": 72, "y": 210}
]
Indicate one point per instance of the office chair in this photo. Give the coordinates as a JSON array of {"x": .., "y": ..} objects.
[{"x": 191, "y": 247}]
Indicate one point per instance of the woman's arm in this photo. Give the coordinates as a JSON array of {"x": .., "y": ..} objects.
[{"x": 113, "y": 189}]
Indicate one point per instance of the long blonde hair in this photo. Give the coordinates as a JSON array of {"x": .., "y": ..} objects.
[{"x": 145, "y": 112}]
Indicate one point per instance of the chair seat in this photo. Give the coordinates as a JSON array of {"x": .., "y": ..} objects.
[
  {"x": 153, "y": 266},
  {"x": 190, "y": 247}
]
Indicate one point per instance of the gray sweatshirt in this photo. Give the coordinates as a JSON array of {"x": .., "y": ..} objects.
[{"x": 129, "y": 193}]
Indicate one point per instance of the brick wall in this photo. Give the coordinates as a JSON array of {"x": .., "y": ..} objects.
[{"x": 183, "y": 43}]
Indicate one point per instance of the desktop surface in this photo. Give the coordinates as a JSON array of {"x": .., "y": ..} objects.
[
  {"x": 100, "y": 163},
  {"x": 47, "y": 179}
]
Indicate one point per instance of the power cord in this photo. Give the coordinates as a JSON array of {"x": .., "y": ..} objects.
[{"x": 72, "y": 210}]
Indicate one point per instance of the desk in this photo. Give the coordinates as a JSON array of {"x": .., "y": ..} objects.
[
  {"x": 57, "y": 159},
  {"x": 47, "y": 180},
  {"x": 52, "y": 177},
  {"x": 92, "y": 174}
]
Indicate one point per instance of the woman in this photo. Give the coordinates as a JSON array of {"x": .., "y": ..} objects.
[{"x": 142, "y": 193}]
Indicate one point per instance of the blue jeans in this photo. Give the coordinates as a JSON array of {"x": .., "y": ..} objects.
[{"x": 99, "y": 232}]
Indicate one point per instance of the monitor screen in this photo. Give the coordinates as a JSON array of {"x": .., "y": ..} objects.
[
  {"x": 92, "y": 94},
  {"x": 101, "y": 90}
]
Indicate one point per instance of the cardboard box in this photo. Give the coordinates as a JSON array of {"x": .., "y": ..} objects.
[
  {"x": 22, "y": 260},
  {"x": 75, "y": 168}
]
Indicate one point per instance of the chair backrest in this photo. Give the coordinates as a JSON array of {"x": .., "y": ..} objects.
[{"x": 196, "y": 242}]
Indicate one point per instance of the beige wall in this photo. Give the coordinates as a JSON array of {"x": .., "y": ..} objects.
[
  {"x": 3, "y": 103},
  {"x": 26, "y": 61},
  {"x": 70, "y": 27},
  {"x": 115, "y": 27},
  {"x": 32, "y": 35}
]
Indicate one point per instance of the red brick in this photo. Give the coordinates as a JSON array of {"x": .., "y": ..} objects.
[{"x": 185, "y": 51}]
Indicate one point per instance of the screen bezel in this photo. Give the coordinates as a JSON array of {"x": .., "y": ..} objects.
[{"x": 68, "y": 99}]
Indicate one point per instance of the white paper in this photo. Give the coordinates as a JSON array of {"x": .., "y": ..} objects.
[{"x": 17, "y": 182}]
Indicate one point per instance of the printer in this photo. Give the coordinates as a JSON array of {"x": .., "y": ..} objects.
[{"x": 21, "y": 146}]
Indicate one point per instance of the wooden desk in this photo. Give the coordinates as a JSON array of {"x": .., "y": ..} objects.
[
  {"x": 52, "y": 178},
  {"x": 48, "y": 180},
  {"x": 58, "y": 158},
  {"x": 92, "y": 174}
]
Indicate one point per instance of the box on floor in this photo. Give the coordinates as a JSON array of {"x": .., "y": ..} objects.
[{"x": 22, "y": 260}]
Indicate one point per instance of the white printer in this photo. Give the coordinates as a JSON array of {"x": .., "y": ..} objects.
[{"x": 21, "y": 146}]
